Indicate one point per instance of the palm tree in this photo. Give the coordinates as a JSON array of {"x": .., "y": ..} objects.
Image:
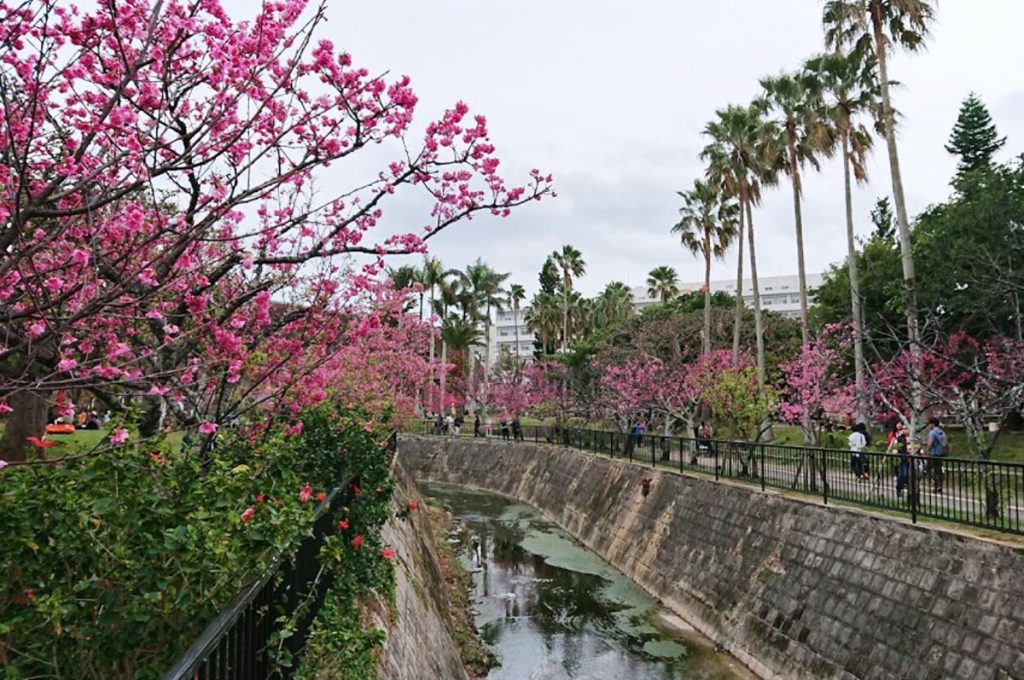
[
  {"x": 461, "y": 335},
  {"x": 483, "y": 287},
  {"x": 571, "y": 265},
  {"x": 794, "y": 98},
  {"x": 708, "y": 223},
  {"x": 544, "y": 318},
  {"x": 740, "y": 160},
  {"x": 402, "y": 279},
  {"x": 614, "y": 305},
  {"x": 851, "y": 92},
  {"x": 516, "y": 294},
  {"x": 663, "y": 283},
  {"x": 877, "y": 26},
  {"x": 432, "y": 276}
]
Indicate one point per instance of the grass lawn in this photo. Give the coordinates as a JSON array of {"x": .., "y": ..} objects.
[{"x": 84, "y": 440}]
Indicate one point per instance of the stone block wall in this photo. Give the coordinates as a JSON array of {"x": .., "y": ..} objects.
[
  {"x": 420, "y": 641},
  {"x": 793, "y": 589}
]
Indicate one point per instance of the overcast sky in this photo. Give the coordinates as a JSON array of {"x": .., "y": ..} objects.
[{"x": 611, "y": 98}]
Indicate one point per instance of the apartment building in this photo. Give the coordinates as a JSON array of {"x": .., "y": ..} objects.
[{"x": 779, "y": 294}]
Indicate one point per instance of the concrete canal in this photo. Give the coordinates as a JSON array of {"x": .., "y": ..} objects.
[{"x": 553, "y": 610}]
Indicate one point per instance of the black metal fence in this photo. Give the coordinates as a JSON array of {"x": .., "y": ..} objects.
[
  {"x": 246, "y": 641},
  {"x": 978, "y": 493}
]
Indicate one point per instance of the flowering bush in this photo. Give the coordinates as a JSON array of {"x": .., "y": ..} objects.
[{"x": 113, "y": 564}]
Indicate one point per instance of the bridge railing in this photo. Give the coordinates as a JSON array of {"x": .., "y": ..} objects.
[
  {"x": 980, "y": 493},
  {"x": 239, "y": 643}
]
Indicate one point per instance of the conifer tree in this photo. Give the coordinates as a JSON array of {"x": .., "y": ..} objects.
[{"x": 975, "y": 138}]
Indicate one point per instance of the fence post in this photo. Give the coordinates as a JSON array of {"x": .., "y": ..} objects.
[
  {"x": 653, "y": 447},
  {"x": 824, "y": 476},
  {"x": 762, "y": 468},
  {"x": 912, "y": 491},
  {"x": 714, "y": 457}
]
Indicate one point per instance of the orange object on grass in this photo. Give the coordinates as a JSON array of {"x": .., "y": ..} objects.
[{"x": 60, "y": 428}]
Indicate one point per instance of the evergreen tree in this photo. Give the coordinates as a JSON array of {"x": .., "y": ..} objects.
[
  {"x": 884, "y": 220},
  {"x": 549, "y": 278},
  {"x": 974, "y": 139}
]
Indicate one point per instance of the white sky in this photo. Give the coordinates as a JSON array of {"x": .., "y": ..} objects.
[{"x": 611, "y": 98}]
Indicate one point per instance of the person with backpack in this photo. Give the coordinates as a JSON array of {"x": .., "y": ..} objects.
[{"x": 937, "y": 448}]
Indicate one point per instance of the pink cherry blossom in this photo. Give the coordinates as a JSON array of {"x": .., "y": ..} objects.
[{"x": 120, "y": 436}]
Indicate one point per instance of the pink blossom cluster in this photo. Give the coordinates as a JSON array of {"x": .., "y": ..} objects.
[{"x": 167, "y": 233}]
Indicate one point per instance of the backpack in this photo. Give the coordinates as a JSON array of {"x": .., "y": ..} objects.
[{"x": 943, "y": 442}]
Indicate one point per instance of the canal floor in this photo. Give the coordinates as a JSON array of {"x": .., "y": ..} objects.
[{"x": 550, "y": 609}]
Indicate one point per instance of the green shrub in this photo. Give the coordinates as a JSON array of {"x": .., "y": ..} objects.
[{"x": 114, "y": 564}]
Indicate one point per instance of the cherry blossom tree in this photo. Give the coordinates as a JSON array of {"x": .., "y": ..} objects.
[
  {"x": 816, "y": 392},
  {"x": 167, "y": 240}
]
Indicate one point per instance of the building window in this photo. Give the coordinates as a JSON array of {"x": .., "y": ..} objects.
[{"x": 769, "y": 288}]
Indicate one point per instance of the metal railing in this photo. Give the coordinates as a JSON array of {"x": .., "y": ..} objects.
[
  {"x": 244, "y": 642},
  {"x": 980, "y": 493}
]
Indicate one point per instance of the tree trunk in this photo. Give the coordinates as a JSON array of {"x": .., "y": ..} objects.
[
  {"x": 738, "y": 321},
  {"x": 27, "y": 420},
  {"x": 794, "y": 173},
  {"x": 758, "y": 325},
  {"x": 515, "y": 322},
  {"x": 705, "y": 347},
  {"x": 565, "y": 317},
  {"x": 903, "y": 222},
  {"x": 444, "y": 374},
  {"x": 851, "y": 265},
  {"x": 154, "y": 413}
]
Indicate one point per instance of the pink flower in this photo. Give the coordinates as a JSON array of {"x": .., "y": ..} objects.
[
  {"x": 388, "y": 554},
  {"x": 306, "y": 493},
  {"x": 207, "y": 428},
  {"x": 249, "y": 513},
  {"x": 3, "y": 464},
  {"x": 119, "y": 437},
  {"x": 357, "y": 542},
  {"x": 66, "y": 365},
  {"x": 4, "y": 408}
]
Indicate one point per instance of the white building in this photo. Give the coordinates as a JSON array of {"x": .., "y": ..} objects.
[
  {"x": 779, "y": 294},
  {"x": 502, "y": 336}
]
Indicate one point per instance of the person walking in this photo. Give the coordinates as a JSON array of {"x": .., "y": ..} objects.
[
  {"x": 517, "y": 429},
  {"x": 936, "y": 449},
  {"x": 476, "y": 426},
  {"x": 857, "y": 442},
  {"x": 899, "y": 444}
]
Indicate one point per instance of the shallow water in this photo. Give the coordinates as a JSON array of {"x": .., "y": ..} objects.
[{"x": 552, "y": 610}]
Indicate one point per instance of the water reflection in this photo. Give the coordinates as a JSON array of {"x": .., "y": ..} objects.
[{"x": 552, "y": 610}]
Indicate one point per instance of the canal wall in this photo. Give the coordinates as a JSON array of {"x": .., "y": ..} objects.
[
  {"x": 793, "y": 589},
  {"x": 420, "y": 642}
]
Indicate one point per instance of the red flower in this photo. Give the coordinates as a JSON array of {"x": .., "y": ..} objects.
[
  {"x": 260, "y": 499},
  {"x": 357, "y": 541},
  {"x": 388, "y": 554},
  {"x": 249, "y": 513},
  {"x": 343, "y": 525},
  {"x": 156, "y": 458},
  {"x": 306, "y": 493},
  {"x": 355, "y": 490},
  {"x": 413, "y": 506},
  {"x": 30, "y": 594},
  {"x": 40, "y": 443},
  {"x": 320, "y": 497}
]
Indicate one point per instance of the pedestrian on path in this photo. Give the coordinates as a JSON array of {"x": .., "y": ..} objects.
[
  {"x": 858, "y": 441},
  {"x": 937, "y": 447}
]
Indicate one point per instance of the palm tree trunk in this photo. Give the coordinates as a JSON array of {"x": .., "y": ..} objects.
[
  {"x": 851, "y": 265},
  {"x": 738, "y": 321},
  {"x": 794, "y": 174},
  {"x": 903, "y": 222},
  {"x": 515, "y": 322},
  {"x": 444, "y": 375},
  {"x": 758, "y": 326},
  {"x": 705, "y": 347},
  {"x": 565, "y": 316}
]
